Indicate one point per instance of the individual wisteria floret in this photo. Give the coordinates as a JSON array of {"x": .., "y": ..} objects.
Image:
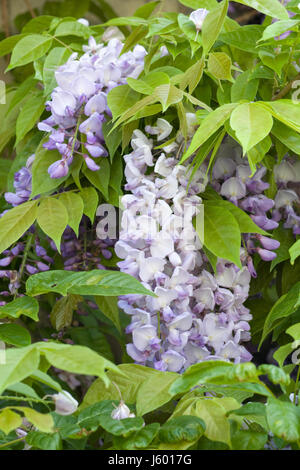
[
  {"x": 196, "y": 315},
  {"x": 231, "y": 177},
  {"x": 78, "y": 105},
  {"x": 287, "y": 200},
  {"x": 22, "y": 184}
]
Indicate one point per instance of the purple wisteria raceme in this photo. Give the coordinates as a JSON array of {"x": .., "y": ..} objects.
[
  {"x": 231, "y": 177},
  {"x": 196, "y": 315},
  {"x": 287, "y": 200},
  {"x": 78, "y": 105}
]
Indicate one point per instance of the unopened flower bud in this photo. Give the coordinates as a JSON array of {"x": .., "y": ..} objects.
[
  {"x": 122, "y": 412},
  {"x": 65, "y": 404}
]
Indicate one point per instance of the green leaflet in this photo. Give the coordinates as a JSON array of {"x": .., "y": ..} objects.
[
  {"x": 74, "y": 206},
  {"x": 210, "y": 124},
  {"x": 95, "y": 282},
  {"x": 222, "y": 234},
  {"x": 53, "y": 218},
  {"x": 212, "y": 26},
  {"x": 28, "y": 49},
  {"x": 15, "y": 222},
  {"x": 251, "y": 123}
]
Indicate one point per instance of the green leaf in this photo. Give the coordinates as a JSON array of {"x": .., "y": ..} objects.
[
  {"x": 244, "y": 38},
  {"x": 244, "y": 88},
  {"x": 24, "y": 90},
  {"x": 9, "y": 420},
  {"x": 146, "y": 10},
  {"x": 21, "y": 306},
  {"x": 62, "y": 313},
  {"x": 74, "y": 206},
  {"x": 129, "y": 384},
  {"x": 38, "y": 24},
  {"x": 285, "y": 111},
  {"x": 53, "y": 218},
  {"x": 139, "y": 440},
  {"x": 210, "y": 124},
  {"x": 56, "y": 57},
  {"x": 243, "y": 439},
  {"x": 212, "y": 26},
  {"x": 95, "y": 282},
  {"x": 222, "y": 234},
  {"x": 294, "y": 251},
  {"x": 122, "y": 427},
  {"x": 72, "y": 28},
  {"x": 192, "y": 76},
  {"x": 199, "y": 373},
  {"x": 90, "y": 200},
  {"x": 99, "y": 178},
  {"x": 270, "y": 7},
  {"x": 20, "y": 363},
  {"x": 282, "y": 353},
  {"x": 219, "y": 65},
  {"x": 279, "y": 27},
  {"x": 167, "y": 95},
  {"x": 285, "y": 306},
  {"x": 120, "y": 99},
  {"x": 109, "y": 307},
  {"x": 194, "y": 4},
  {"x": 213, "y": 412},
  {"x": 182, "y": 428},
  {"x": 43, "y": 422},
  {"x": 245, "y": 222},
  {"x": 29, "y": 115},
  {"x": 258, "y": 153},
  {"x": 283, "y": 419},
  {"x": 275, "y": 374},
  {"x": 112, "y": 139},
  {"x": 15, "y": 222},
  {"x": 23, "y": 389},
  {"x": 286, "y": 239},
  {"x": 28, "y": 49},
  {"x": 41, "y": 181},
  {"x": 76, "y": 359},
  {"x": 274, "y": 60},
  {"x": 251, "y": 123},
  {"x": 7, "y": 45},
  {"x": 39, "y": 376},
  {"x": 14, "y": 334},
  {"x": 147, "y": 400},
  {"x": 44, "y": 441},
  {"x": 287, "y": 136}
]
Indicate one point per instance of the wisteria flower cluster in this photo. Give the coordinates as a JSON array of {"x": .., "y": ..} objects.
[
  {"x": 232, "y": 178},
  {"x": 287, "y": 200},
  {"x": 196, "y": 315},
  {"x": 79, "y": 103}
]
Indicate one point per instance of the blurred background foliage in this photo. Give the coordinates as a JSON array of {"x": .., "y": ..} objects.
[{"x": 15, "y": 13}]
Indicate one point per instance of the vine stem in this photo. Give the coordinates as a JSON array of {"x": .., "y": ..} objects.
[
  {"x": 30, "y": 9},
  {"x": 24, "y": 259},
  {"x": 62, "y": 43},
  {"x": 33, "y": 400},
  {"x": 5, "y": 17},
  {"x": 296, "y": 385},
  {"x": 286, "y": 89},
  {"x": 12, "y": 442}
]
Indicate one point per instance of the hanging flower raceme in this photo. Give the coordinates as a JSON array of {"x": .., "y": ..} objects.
[
  {"x": 231, "y": 177},
  {"x": 287, "y": 200},
  {"x": 195, "y": 315},
  {"x": 78, "y": 104}
]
